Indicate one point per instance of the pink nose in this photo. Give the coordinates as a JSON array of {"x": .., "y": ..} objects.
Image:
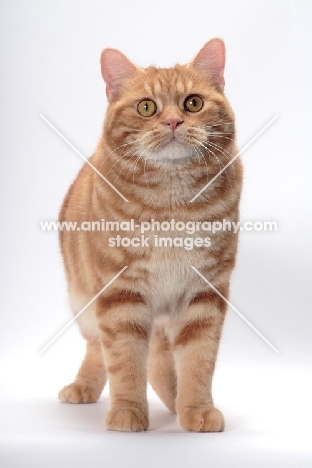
[{"x": 173, "y": 123}]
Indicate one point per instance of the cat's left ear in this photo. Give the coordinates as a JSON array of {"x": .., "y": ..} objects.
[
  {"x": 116, "y": 69},
  {"x": 211, "y": 60}
]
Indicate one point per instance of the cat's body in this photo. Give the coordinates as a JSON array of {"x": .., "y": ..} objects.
[{"x": 159, "y": 162}]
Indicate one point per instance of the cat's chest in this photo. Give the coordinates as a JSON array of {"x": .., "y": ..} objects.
[
  {"x": 164, "y": 266},
  {"x": 170, "y": 278}
]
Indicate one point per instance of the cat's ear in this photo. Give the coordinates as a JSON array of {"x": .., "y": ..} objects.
[
  {"x": 211, "y": 60},
  {"x": 116, "y": 69}
]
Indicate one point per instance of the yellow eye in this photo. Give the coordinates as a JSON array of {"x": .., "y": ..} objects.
[
  {"x": 193, "y": 103},
  {"x": 147, "y": 108}
]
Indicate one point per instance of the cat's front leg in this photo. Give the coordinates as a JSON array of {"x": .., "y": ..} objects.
[
  {"x": 124, "y": 323},
  {"x": 196, "y": 338}
]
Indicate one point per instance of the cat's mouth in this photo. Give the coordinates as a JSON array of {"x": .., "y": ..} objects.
[
  {"x": 173, "y": 140},
  {"x": 172, "y": 150}
]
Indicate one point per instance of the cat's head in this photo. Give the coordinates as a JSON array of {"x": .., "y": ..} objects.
[{"x": 165, "y": 114}]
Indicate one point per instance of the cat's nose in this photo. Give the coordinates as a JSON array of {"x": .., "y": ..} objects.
[{"x": 173, "y": 123}]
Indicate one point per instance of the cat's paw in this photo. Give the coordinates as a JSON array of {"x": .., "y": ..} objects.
[
  {"x": 78, "y": 393},
  {"x": 127, "y": 420},
  {"x": 202, "y": 420}
]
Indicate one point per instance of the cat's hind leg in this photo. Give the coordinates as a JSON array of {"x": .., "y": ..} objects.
[
  {"x": 91, "y": 377},
  {"x": 161, "y": 368}
]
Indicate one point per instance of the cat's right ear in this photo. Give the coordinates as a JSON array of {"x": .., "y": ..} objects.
[{"x": 116, "y": 69}]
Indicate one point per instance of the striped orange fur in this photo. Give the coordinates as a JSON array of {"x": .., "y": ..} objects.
[{"x": 158, "y": 320}]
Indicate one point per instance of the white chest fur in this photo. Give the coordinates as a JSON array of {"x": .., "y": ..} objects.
[{"x": 170, "y": 279}]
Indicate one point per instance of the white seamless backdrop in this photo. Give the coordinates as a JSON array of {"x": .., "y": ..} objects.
[{"x": 50, "y": 64}]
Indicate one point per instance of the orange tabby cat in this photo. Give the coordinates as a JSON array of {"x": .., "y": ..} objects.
[{"x": 167, "y": 132}]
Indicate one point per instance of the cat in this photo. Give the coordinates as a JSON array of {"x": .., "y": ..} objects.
[{"x": 167, "y": 133}]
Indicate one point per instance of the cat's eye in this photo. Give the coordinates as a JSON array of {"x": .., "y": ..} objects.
[
  {"x": 147, "y": 107},
  {"x": 193, "y": 103}
]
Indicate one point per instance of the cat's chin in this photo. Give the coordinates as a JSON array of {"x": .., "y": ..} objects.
[{"x": 174, "y": 151}]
